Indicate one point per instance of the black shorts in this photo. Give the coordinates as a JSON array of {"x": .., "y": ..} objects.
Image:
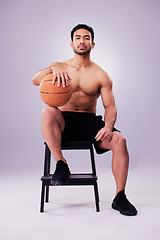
[{"x": 83, "y": 127}]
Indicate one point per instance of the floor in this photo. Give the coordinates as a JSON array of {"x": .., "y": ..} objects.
[{"x": 71, "y": 214}]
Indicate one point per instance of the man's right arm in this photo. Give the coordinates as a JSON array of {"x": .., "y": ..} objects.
[
  {"x": 40, "y": 75},
  {"x": 59, "y": 72}
]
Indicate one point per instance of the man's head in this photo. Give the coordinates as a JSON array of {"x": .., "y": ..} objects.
[
  {"x": 82, "y": 37},
  {"x": 84, "y": 26}
]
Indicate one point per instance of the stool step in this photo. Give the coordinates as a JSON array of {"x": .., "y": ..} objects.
[
  {"x": 75, "y": 179},
  {"x": 76, "y": 145}
]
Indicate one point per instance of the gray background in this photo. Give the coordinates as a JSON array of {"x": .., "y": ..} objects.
[
  {"x": 33, "y": 35},
  {"x": 37, "y": 33}
]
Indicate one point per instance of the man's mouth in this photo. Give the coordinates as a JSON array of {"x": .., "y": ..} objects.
[{"x": 82, "y": 47}]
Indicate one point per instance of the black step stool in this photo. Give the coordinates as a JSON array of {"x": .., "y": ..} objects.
[{"x": 74, "y": 179}]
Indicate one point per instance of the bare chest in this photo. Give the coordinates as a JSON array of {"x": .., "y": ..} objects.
[{"x": 85, "y": 83}]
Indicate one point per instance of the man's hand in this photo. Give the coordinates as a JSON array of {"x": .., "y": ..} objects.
[
  {"x": 60, "y": 75},
  {"x": 104, "y": 134}
]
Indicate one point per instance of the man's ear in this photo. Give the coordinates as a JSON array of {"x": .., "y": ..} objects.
[
  {"x": 71, "y": 44},
  {"x": 93, "y": 45}
]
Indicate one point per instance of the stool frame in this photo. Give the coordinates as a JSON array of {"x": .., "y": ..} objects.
[{"x": 74, "y": 179}]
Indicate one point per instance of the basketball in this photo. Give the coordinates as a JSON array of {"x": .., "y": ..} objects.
[{"x": 53, "y": 95}]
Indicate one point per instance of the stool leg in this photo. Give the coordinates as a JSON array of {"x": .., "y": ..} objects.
[
  {"x": 47, "y": 193},
  {"x": 96, "y": 190},
  {"x": 42, "y": 197},
  {"x": 96, "y": 196},
  {"x": 47, "y": 168}
]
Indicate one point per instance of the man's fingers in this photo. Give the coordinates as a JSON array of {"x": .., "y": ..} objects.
[
  {"x": 99, "y": 136},
  {"x": 63, "y": 80},
  {"x": 59, "y": 79},
  {"x": 61, "y": 76},
  {"x": 66, "y": 78},
  {"x": 106, "y": 138},
  {"x": 103, "y": 136},
  {"x": 54, "y": 78}
]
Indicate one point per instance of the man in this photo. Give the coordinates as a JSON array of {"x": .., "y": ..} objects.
[{"x": 77, "y": 119}]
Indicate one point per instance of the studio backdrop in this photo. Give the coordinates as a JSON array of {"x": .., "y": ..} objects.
[{"x": 36, "y": 33}]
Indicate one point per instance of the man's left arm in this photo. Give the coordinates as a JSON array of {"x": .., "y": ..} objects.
[{"x": 110, "y": 115}]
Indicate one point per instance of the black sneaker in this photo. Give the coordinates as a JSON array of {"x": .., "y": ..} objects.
[
  {"x": 61, "y": 173},
  {"x": 121, "y": 203}
]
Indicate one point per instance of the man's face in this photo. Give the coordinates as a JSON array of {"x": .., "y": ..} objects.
[{"x": 82, "y": 42}]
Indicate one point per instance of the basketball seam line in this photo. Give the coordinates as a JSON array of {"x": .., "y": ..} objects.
[
  {"x": 55, "y": 93},
  {"x": 61, "y": 102}
]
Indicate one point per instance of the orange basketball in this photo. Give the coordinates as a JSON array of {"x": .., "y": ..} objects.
[{"x": 53, "y": 95}]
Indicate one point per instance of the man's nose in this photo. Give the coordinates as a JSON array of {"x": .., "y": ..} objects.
[{"x": 81, "y": 41}]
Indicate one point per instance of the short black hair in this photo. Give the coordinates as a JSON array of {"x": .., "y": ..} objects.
[{"x": 79, "y": 26}]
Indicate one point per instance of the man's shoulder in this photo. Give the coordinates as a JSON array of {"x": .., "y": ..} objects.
[
  {"x": 65, "y": 64},
  {"x": 58, "y": 64},
  {"x": 102, "y": 75},
  {"x": 99, "y": 70}
]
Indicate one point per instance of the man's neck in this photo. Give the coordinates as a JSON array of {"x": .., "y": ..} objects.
[{"x": 82, "y": 61}]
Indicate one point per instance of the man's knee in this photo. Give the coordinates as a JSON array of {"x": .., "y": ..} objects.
[
  {"x": 49, "y": 113},
  {"x": 119, "y": 141}
]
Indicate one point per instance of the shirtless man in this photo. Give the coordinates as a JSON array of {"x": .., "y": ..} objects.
[{"x": 77, "y": 119}]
